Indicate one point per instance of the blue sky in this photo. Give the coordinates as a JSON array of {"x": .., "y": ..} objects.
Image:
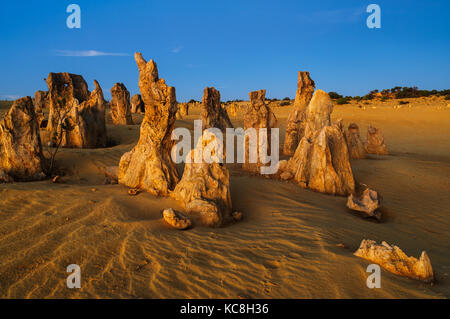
[{"x": 236, "y": 46}]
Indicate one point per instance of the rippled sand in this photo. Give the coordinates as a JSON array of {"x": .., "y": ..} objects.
[{"x": 292, "y": 243}]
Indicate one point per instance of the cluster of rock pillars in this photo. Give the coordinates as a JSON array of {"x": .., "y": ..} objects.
[{"x": 319, "y": 150}]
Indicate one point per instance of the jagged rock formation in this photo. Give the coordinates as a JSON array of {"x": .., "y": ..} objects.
[
  {"x": 375, "y": 142},
  {"x": 393, "y": 259},
  {"x": 176, "y": 219},
  {"x": 368, "y": 202},
  {"x": 205, "y": 187},
  {"x": 294, "y": 127},
  {"x": 354, "y": 143},
  {"x": 258, "y": 116},
  {"x": 321, "y": 163},
  {"x": 137, "y": 105},
  {"x": 148, "y": 165},
  {"x": 85, "y": 123},
  {"x": 213, "y": 114},
  {"x": 232, "y": 110},
  {"x": 184, "y": 109},
  {"x": 63, "y": 90},
  {"x": 77, "y": 117},
  {"x": 318, "y": 113},
  {"x": 120, "y": 105},
  {"x": 41, "y": 101},
  {"x": 21, "y": 155}
]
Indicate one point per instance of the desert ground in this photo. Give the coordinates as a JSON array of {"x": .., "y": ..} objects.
[{"x": 291, "y": 243}]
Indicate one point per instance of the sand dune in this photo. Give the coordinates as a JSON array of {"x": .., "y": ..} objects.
[{"x": 292, "y": 243}]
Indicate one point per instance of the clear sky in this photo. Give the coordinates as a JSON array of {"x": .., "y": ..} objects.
[{"x": 236, "y": 46}]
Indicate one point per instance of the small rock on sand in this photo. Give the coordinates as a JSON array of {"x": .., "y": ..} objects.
[
  {"x": 393, "y": 259},
  {"x": 176, "y": 219},
  {"x": 368, "y": 202}
]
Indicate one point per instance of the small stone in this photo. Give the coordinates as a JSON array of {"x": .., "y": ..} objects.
[
  {"x": 134, "y": 191},
  {"x": 237, "y": 216},
  {"x": 176, "y": 219},
  {"x": 367, "y": 203},
  {"x": 57, "y": 179}
]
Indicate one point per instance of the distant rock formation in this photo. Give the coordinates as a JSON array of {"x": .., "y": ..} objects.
[
  {"x": 137, "y": 105},
  {"x": 213, "y": 114},
  {"x": 294, "y": 127},
  {"x": 368, "y": 202},
  {"x": 77, "y": 117},
  {"x": 120, "y": 105},
  {"x": 258, "y": 116},
  {"x": 148, "y": 165},
  {"x": 321, "y": 163},
  {"x": 21, "y": 157},
  {"x": 232, "y": 110},
  {"x": 184, "y": 109},
  {"x": 205, "y": 187},
  {"x": 375, "y": 142},
  {"x": 393, "y": 259},
  {"x": 354, "y": 143},
  {"x": 176, "y": 219}
]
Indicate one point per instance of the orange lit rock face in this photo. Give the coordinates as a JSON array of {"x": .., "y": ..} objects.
[
  {"x": 213, "y": 114},
  {"x": 368, "y": 202},
  {"x": 205, "y": 187},
  {"x": 294, "y": 127},
  {"x": 137, "y": 105},
  {"x": 21, "y": 156},
  {"x": 258, "y": 115},
  {"x": 375, "y": 142},
  {"x": 321, "y": 163},
  {"x": 120, "y": 105},
  {"x": 75, "y": 114},
  {"x": 148, "y": 165},
  {"x": 176, "y": 219},
  {"x": 393, "y": 259},
  {"x": 354, "y": 143}
]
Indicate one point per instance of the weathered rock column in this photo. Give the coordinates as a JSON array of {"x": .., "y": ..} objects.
[
  {"x": 21, "y": 155},
  {"x": 137, "y": 105},
  {"x": 213, "y": 114},
  {"x": 294, "y": 128},
  {"x": 205, "y": 187},
  {"x": 258, "y": 116},
  {"x": 120, "y": 105},
  {"x": 77, "y": 117},
  {"x": 148, "y": 165},
  {"x": 375, "y": 142},
  {"x": 354, "y": 143},
  {"x": 322, "y": 163}
]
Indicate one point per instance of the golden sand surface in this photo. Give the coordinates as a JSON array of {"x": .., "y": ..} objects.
[{"x": 292, "y": 242}]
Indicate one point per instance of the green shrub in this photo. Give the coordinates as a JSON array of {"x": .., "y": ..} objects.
[
  {"x": 343, "y": 100},
  {"x": 447, "y": 97},
  {"x": 285, "y": 103},
  {"x": 334, "y": 95}
]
